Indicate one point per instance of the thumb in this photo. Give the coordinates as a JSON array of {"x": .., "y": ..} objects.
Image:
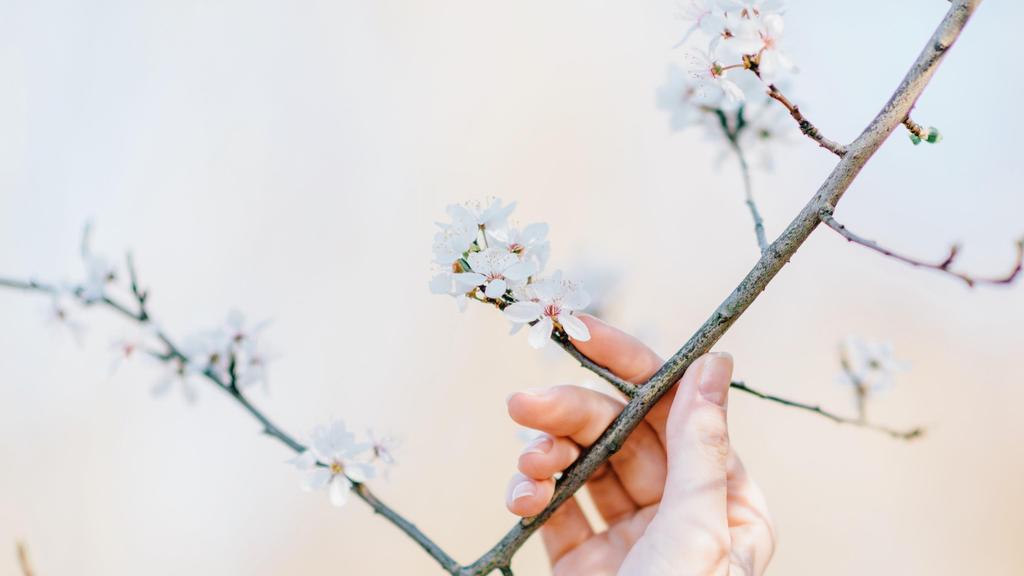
[{"x": 693, "y": 512}]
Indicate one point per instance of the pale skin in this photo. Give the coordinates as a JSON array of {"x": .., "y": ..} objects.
[{"x": 676, "y": 498}]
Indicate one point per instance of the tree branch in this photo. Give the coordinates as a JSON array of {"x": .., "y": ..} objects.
[
  {"x": 771, "y": 262},
  {"x": 943, "y": 266},
  {"x": 808, "y": 129},
  {"x": 898, "y": 434}
]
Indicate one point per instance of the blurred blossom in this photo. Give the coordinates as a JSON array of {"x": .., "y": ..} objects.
[
  {"x": 61, "y": 313},
  {"x": 868, "y": 366},
  {"x": 334, "y": 460},
  {"x": 726, "y": 46}
]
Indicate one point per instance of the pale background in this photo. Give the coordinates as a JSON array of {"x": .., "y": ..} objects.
[{"x": 289, "y": 158}]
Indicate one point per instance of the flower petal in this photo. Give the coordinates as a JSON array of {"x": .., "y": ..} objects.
[
  {"x": 541, "y": 332},
  {"x": 339, "y": 490},
  {"x": 466, "y": 281},
  {"x": 304, "y": 461},
  {"x": 441, "y": 283},
  {"x": 496, "y": 288},
  {"x": 577, "y": 299},
  {"x": 521, "y": 270},
  {"x": 574, "y": 327},
  {"x": 316, "y": 479},
  {"x": 523, "y": 311}
]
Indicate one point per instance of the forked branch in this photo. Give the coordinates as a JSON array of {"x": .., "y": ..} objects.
[{"x": 945, "y": 265}]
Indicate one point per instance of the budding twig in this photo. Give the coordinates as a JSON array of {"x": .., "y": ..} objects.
[
  {"x": 944, "y": 266},
  {"x": 808, "y": 129},
  {"x": 858, "y": 421}
]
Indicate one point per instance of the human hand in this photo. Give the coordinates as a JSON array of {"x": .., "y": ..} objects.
[{"x": 675, "y": 497}]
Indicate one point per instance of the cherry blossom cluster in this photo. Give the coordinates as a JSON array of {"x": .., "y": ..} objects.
[
  {"x": 732, "y": 53},
  {"x": 482, "y": 257},
  {"x": 868, "y": 368},
  {"x": 336, "y": 460}
]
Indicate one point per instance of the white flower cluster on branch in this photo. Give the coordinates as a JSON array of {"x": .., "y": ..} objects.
[{"x": 483, "y": 258}]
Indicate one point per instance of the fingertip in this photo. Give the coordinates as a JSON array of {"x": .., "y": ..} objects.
[{"x": 528, "y": 497}]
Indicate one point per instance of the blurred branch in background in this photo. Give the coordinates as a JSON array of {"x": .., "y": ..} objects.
[{"x": 23, "y": 560}]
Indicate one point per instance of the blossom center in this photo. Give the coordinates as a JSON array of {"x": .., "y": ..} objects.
[
  {"x": 516, "y": 248},
  {"x": 336, "y": 468},
  {"x": 552, "y": 310}
]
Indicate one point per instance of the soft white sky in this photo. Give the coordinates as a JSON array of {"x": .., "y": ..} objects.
[{"x": 289, "y": 159}]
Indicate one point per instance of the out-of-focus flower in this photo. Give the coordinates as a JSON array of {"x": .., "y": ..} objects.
[
  {"x": 177, "y": 375},
  {"x": 487, "y": 216},
  {"x": 678, "y": 96},
  {"x": 335, "y": 461},
  {"x": 61, "y": 312},
  {"x": 868, "y": 366},
  {"x": 99, "y": 272},
  {"x": 711, "y": 78},
  {"x": 549, "y": 303},
  {"x": 772, "y": 61},
  {"x": 382, "y": 447}
]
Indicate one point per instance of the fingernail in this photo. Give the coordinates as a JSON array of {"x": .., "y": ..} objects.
[
  {"x": 541, "y": 445},
  {"x": 523, "y": 489},
  {"x": 714, "y": 379}
]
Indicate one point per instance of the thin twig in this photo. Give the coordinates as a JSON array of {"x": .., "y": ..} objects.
[
  {"x": 762, "y": 240},
  {"x": 732, "y": 135},
  {"x": 899, "y": 434},
  {"x": 627, "y": 388},
  {"x": 808, "y": 129},
  {"x": 944, "y": 266}
]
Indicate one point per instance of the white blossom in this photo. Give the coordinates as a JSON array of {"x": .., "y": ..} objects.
[
  {"x": 496, "y": 270},
  {"x": 99, "y": 272},
  {"x": 679, "y": 97},
  {"x": 61, "y": 312},
  {"x": 528, "y": 244},
  {"x": 869, "y": 366},
  {"x": 335, "y": 461},
  {"x": 712, "y": 78},
  {"x": 772, "y": 61},
  {"x": 549, "y": 303},
  {"x": 177, "y": 375}
]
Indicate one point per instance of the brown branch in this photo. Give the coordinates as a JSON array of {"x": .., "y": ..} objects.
[
  {"x": 808, "y": 129},
  {"x": 944, "y": 266},
  {"x": 859, "y": 422}
]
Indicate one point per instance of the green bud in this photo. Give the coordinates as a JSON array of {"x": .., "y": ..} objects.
[
  {"x": 915, "y": 138},
  {"x": 934, "y": 136}
]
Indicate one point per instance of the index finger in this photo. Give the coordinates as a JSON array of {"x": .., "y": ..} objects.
[{"x": 627, "y": 358}]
